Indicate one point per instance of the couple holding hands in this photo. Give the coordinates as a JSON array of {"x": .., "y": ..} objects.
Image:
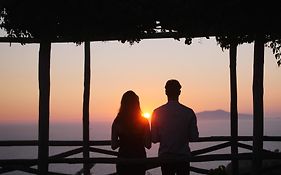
[{"x": 173, "y": 125}]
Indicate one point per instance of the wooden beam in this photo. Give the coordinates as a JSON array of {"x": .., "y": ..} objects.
[
  {"x": 210, "y": 149},
  {"x": 68, "y": 153},
  {"x": 10, "y": 143},
  {"x": 149, "y": 160},
  {"x": 233, "y": 108},
  {"x": 44, "y": 106},
  {"x": 258, "y": 105},
  {"x": 86, "y": 101},
  {"x": 103, "y": 151},
  {"x": 250, "y": 147},
  {"x": 61, "y": 155}
]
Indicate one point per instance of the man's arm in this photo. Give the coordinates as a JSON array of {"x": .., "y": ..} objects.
[
  {"x": 154, "y": 129},
  {"x": 194, "y": 133}
]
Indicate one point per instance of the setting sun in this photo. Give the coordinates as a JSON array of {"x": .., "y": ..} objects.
[{"x": 146, "y": 115}]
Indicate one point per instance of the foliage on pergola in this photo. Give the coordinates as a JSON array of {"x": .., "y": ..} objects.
[
  {"x": 230, "y": 21},
  {"x": 78, "y": 20}
]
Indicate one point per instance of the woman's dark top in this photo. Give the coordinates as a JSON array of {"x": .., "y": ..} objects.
[
  {"x": 131, "y": 138},
  {"x": 131, "y": 141}
]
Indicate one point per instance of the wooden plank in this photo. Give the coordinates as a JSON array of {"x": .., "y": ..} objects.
[
  {"x": 271, "y": 138},
  {"x": 61, "y": 155},
  {"x": 103, "y": 151},
  {"x": 9, "y": 143},
  {"x": 27, "y": 170},
  {"x": 149, "y": 160},
  {"x": 11, "y": 162},
  {"x": 250, "y": 147},
  {"x": 210, "y": 149},
  {"x": 223, "y": 138},
  {"x": 6, "y": 170},
  {"x": 32, "y": 170},
  {"x": 20, "y": 168},
  {"x": 44, "y": 106},
  {"x": 67, "y": 153}
]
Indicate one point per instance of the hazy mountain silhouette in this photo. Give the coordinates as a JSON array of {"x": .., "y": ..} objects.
[{"x": 220, "y": 114}]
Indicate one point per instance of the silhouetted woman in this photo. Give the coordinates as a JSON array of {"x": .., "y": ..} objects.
[{"x": 131, "y": 133}]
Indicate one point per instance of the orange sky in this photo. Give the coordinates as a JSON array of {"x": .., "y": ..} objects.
[{"x": 202, "y": 69}]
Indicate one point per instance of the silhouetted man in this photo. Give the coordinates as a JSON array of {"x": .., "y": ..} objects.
[{"x": 174, "y": 125}]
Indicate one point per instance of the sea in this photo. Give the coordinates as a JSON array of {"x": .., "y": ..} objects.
[{"x": 101, "y": 131}]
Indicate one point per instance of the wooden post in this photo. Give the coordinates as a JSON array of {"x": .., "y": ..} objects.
[
  {"x": 44, "y": 105},
  {"x": 86, "y": 100},
  {"x": 233, "y": 108},
  {"x": 258, "y": 105}
]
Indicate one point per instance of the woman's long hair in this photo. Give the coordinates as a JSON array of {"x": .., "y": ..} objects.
[{"x": 130, "y": 107}]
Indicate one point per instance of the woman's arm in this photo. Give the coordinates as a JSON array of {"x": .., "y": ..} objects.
[
  {"x": 114, "y": 136},
  {"x": 147, "y": 136}
]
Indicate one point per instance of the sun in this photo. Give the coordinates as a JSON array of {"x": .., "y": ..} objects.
[{"x": 146, "y": 115}]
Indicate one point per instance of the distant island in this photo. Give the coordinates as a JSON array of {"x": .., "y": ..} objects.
[{"x": 220, "y": 114}]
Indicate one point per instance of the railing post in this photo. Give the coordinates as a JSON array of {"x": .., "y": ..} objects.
[
  {"x": 258, "y": 105},
  {"x": 233, "y": 108},
  {"x": 86, "y": 100},
  {"x": 44, "y": 106}
]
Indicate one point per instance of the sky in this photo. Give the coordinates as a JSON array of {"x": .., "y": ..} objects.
[{"x": 202, "y": 68}]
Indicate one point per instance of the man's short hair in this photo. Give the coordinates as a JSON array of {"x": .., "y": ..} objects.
[{"x": 172, "y": 87}]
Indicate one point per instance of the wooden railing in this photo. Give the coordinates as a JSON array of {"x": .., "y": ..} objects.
[{"x": 200, "y": 155}]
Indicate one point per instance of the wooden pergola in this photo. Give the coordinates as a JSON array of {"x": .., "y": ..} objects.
[{"x": 232, "y": 22}]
